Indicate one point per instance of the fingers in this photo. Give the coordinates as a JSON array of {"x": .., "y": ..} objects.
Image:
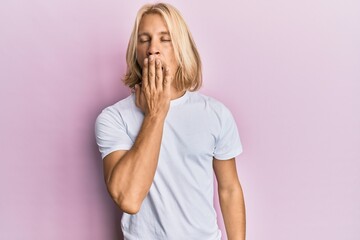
[
  {"x": 151, "y": 77},
  {"x": 145, "y": 79},
  {"x": 159, "y": 75},
  {"x": 167, "y": 79},
  {"x": 137, "y": 95},
  {"x": 153, "y": 96},
  {"x": 155, "y": 75}
]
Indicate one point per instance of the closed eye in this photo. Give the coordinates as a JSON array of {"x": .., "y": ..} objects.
[{"x": 143, "y": 40}]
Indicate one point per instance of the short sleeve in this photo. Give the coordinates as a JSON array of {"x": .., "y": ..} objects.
[
  {"x": 111, "y": 134},
  {"x": 228, "y": 144}
]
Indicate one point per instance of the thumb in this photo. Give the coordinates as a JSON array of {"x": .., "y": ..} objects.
[{"x": 137, "y": 95}]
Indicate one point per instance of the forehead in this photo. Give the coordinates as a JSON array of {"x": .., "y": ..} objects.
[{"x": 152, "y": 23}]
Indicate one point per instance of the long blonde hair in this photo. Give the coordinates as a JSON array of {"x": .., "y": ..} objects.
[{"x": 188, "y": 76}]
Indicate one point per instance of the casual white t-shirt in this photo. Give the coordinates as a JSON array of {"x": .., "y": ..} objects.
[{"x": 179, "y": 204}]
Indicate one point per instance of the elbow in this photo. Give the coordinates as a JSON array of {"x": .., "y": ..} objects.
[
  {"x": 125, "y": 202},
  {"x": 129, "y": 207},
  {"x": 231, "y": 192}
]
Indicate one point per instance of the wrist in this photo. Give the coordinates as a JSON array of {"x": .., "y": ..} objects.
[{"x": 155, "y": 117}]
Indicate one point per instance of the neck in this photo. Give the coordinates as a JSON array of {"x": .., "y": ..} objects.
[{"x": 176, "y": 94}]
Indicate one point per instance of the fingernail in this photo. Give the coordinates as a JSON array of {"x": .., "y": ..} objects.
[
  {"x": 151, "y": 57},
  {"x": 146, "y": 60},
  {"x": 157, "y": 61}
]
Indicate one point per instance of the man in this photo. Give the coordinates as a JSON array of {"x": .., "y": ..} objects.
[{"x": 161, "y": 145}]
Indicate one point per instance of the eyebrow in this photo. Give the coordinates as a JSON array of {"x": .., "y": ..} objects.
[{"x": 148, "y": 34}]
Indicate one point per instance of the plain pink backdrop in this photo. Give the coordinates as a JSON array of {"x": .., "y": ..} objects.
[{"x": 288, "y": 70}]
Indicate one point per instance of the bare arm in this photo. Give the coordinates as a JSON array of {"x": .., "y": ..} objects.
[
  {"x": 129, "y": 174},
  {"x": 231, "y": 198}
]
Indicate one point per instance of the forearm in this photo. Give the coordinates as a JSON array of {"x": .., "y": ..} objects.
[
  {"x": 233, "y": 211},
  {"x": 132, "y": 176}
]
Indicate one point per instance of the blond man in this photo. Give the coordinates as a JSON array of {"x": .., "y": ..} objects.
[{"x": 161, "y": 145}]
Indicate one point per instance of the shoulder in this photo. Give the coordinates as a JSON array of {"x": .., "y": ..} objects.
[
  {"x": 117, "y": 111},
  {"x": 209, "y": 103}
]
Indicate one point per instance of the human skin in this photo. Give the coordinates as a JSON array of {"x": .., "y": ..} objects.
[
  {"x": 154, "y": 39},
  {"x": 129, "y": 174},
  {"x": 231, "y": 198}
]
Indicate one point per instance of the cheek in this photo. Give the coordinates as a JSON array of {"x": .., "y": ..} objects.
[
  {"x": 140, "y": 56},
  {"x": 170, "y": 56},
  {"x": 140, "y": 61},
  {"x": 173, "y": 61}
]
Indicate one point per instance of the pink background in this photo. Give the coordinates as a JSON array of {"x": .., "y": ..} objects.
[{"x": 288, "y": 70}]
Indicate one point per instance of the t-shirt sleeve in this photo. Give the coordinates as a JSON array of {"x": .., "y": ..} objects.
[
  {"x": 111, "y": 134},
  {"x": 228, "y": 144}
]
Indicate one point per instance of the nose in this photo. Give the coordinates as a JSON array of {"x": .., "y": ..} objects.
[
  {"x": 155, "y": 53},
  {"x": 152, "y": 50}
]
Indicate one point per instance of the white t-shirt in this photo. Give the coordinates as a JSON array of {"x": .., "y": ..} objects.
[{"x": 179, "y": 204}]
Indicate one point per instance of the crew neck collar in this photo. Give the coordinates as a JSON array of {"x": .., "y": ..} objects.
[
  {"x": 174, "y": 102},
  {"x": 180, "y": 100}
]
